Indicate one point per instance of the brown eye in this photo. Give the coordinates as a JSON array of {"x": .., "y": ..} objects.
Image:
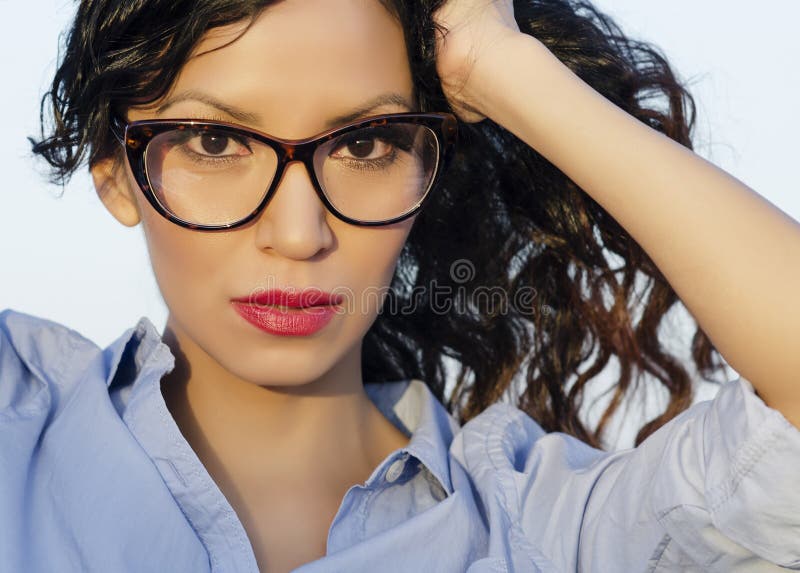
[
  {"x": 217, "y": 145},
  {"x": 213, "y": 144},
  {"x": 361, "y": 148}
]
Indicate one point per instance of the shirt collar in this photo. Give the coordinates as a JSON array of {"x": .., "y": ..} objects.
[
  {"x": 139, "y": 355},
  {"x": 411, "y": 405}
]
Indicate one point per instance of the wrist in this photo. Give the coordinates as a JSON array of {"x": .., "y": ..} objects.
[{"x": 493, "y": 74}]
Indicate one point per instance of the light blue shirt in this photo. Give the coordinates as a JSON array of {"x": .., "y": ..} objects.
[{"x": 96, "y": 476}]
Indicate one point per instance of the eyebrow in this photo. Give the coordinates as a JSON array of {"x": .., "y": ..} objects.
[
  {"x": 253, "y": 118},
  {"x": 370, "y": 105},
  {"x": 192, "y": 95}
]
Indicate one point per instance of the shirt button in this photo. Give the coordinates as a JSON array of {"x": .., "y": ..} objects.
[{"x": 396, "y": 468}]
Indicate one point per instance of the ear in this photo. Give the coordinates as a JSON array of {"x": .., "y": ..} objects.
[{"x": 114, "y": 189}]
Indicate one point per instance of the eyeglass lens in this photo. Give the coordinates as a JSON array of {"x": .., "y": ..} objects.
[{"x": 219, "y": 176}]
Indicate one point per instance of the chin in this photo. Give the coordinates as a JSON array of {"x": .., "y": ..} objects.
[{"x": 281, "y": 366}]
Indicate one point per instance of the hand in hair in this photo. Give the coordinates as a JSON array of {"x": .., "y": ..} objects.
[{"x": 466, "y": 31}]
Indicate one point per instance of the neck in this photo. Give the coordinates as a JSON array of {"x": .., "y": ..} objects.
[{"x": 327, "y": 430}]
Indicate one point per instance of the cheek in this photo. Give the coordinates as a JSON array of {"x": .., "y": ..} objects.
[
  {"x": 184, "y": 261},
  {"x": 372, "y": 255}
]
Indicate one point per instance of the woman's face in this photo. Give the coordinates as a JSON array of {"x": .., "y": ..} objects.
[{"x": 301, "y": 64}]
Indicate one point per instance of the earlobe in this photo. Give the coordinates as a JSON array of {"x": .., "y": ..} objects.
[{"x": 112, "y": 187}]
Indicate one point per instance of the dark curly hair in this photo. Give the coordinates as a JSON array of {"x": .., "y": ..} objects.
[{"x": 507, "y": 215}]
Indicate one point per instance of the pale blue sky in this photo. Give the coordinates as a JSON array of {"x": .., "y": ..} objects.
[{"x": 68, "y": 260}]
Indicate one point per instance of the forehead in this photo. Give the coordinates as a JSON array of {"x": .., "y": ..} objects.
[{"x": 300, "y": 62}]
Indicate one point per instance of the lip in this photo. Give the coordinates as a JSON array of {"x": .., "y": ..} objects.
[
  {"x": 292, "y": 298},
  {"x": 309, "y": 310}
]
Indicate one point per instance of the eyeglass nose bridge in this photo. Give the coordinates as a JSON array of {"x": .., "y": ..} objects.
[{"x": 290, "y": 152}]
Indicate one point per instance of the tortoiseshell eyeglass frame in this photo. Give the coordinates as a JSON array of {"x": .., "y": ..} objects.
[{"x": 136, "y": 136}]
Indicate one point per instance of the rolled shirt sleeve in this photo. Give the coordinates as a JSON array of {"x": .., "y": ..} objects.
[
  {"x": 741, "y": 460},
  {"x": 717, "y": 489}
]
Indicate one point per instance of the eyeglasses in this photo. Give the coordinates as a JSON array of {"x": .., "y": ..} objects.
[{"x": 212, "y": 175}]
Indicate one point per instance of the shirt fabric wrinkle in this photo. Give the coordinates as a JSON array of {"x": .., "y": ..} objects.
[{"x": 85, "y": 435}]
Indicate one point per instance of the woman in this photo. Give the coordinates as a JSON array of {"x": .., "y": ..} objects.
[{"x": 300, "y": 170}]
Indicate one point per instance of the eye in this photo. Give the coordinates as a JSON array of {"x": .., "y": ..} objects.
[
  {"x": 217, "y": 144},
  {"x": 363, "y": 147}
]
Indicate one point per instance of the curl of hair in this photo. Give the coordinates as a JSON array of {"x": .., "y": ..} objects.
[{"x": 522, "y": 253}]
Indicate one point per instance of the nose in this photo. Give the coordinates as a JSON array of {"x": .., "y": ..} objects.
[{"x": 295, "y": 222}]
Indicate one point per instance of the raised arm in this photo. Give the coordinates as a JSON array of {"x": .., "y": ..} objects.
[{"x": 732, "y": 256}]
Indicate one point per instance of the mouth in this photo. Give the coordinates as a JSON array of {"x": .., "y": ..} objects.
[{"x": 287, "y": 312}]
